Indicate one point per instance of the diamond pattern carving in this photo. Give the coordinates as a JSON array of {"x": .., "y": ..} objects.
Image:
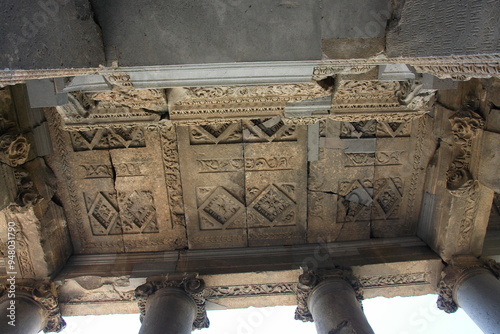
[
  {"x": 272, "y": 208},
  {"x": 111, "y": 214},
  {"x": 387, "y": 198},
  {"x": 221, "y": 210},
  {"x": 103, "y": 213},
  {"x": 365, "y": 200},
  {"x": 137, "y": 212}
]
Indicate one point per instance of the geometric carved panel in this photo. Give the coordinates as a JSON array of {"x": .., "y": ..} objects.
[
  {"x": 249, "y": 131},
  {"x": 268, "y": 130},
  {"x": 137, "y": 212},
  {"x": 112, "y": 214},
  {"x": 102, "y": 210},
  {"x": 373, "y": 128},
  {"x": 242, "y": 181},
  {"x": 102, "y": 139},
  {"x": 219, "y": 133},
  {"x": 366, "y": 200},
  {"x": 272, "y": 207},
  {"x": 220, "y": 210}
]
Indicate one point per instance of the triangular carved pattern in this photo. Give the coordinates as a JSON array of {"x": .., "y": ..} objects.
[
  {"x": 361, "y": 129},
  {"x": 102, "y": 139},
  {"x": 393, "y": 129},
  {"x": 373, "y": 128},
  {"x": 268, "y": 130},
  {"x": 217, "y": 133}
]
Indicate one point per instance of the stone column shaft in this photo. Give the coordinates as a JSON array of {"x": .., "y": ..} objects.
[
  {"x": 169, "y": 311},
  {"x": 335, "y": 309},
  {"x": 27, "y": 316},
  {"x": 479, "y": 297}
]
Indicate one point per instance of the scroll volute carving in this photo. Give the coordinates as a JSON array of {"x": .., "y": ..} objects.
[{"x": 14, "y": 149}]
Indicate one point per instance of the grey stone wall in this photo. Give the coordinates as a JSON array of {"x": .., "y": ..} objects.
[
  {"x": 38, "y": 34},
  {"x": 443, "y": 28}
]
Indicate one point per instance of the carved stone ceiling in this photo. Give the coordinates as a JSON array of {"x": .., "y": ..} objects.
[
  {"x": 238, "y": 184},
  {"x": 131, "y": 182}
]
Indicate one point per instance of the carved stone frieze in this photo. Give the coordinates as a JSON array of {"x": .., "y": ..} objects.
[
  {"x": 454, "y": 67},
  {"x": 238, "y": 101},
  {"x": 322, "y": 72},
  {"x": 88, "y": 111},
  {"x": 190, "y": 284},
  {"x": 379, "y": 95},
  {"x": 170, "y": 155},
  {"x": 309, "y": 280},
  {"x": 250, "y": 290},
  {"x": 462, "y": 71},
  {"x": 455, "y": 273},
  {"x": 403, "y": 116},
  {"x": 466, "y": 126},
  {"x": 44, "y": 293},
  {"x": 109, "y": 138}
]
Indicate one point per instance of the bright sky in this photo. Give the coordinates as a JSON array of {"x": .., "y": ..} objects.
[{"x": 399, "y": 315}]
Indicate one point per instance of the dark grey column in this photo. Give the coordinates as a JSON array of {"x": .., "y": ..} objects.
[
  {"x": 479, "y": 296},
  {"x": 169, "y": 311},
  {"x": 335, "y": 309},
  {"x": 27, "y": 315},
  {"x": 31, "y": 306},
  {"x": 172, "y": 305}
]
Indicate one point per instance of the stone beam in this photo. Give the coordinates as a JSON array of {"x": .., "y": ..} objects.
[
  {"x": 239, "y": 278},
  {"x": 456, "y": 204}
]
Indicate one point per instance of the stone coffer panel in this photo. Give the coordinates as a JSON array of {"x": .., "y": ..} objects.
[
  {"x": 122, "y": 190},
  {"x": 244, "y": 183},
  {"x": 368, "y": 180}
]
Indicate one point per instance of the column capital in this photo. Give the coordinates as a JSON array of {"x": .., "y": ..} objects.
[
  {"x": 458, "y": 271},
  {"x": 311, "y": 279},
  {"x": 190, "y": 283},
  {"x": 44, "y": 294}
]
